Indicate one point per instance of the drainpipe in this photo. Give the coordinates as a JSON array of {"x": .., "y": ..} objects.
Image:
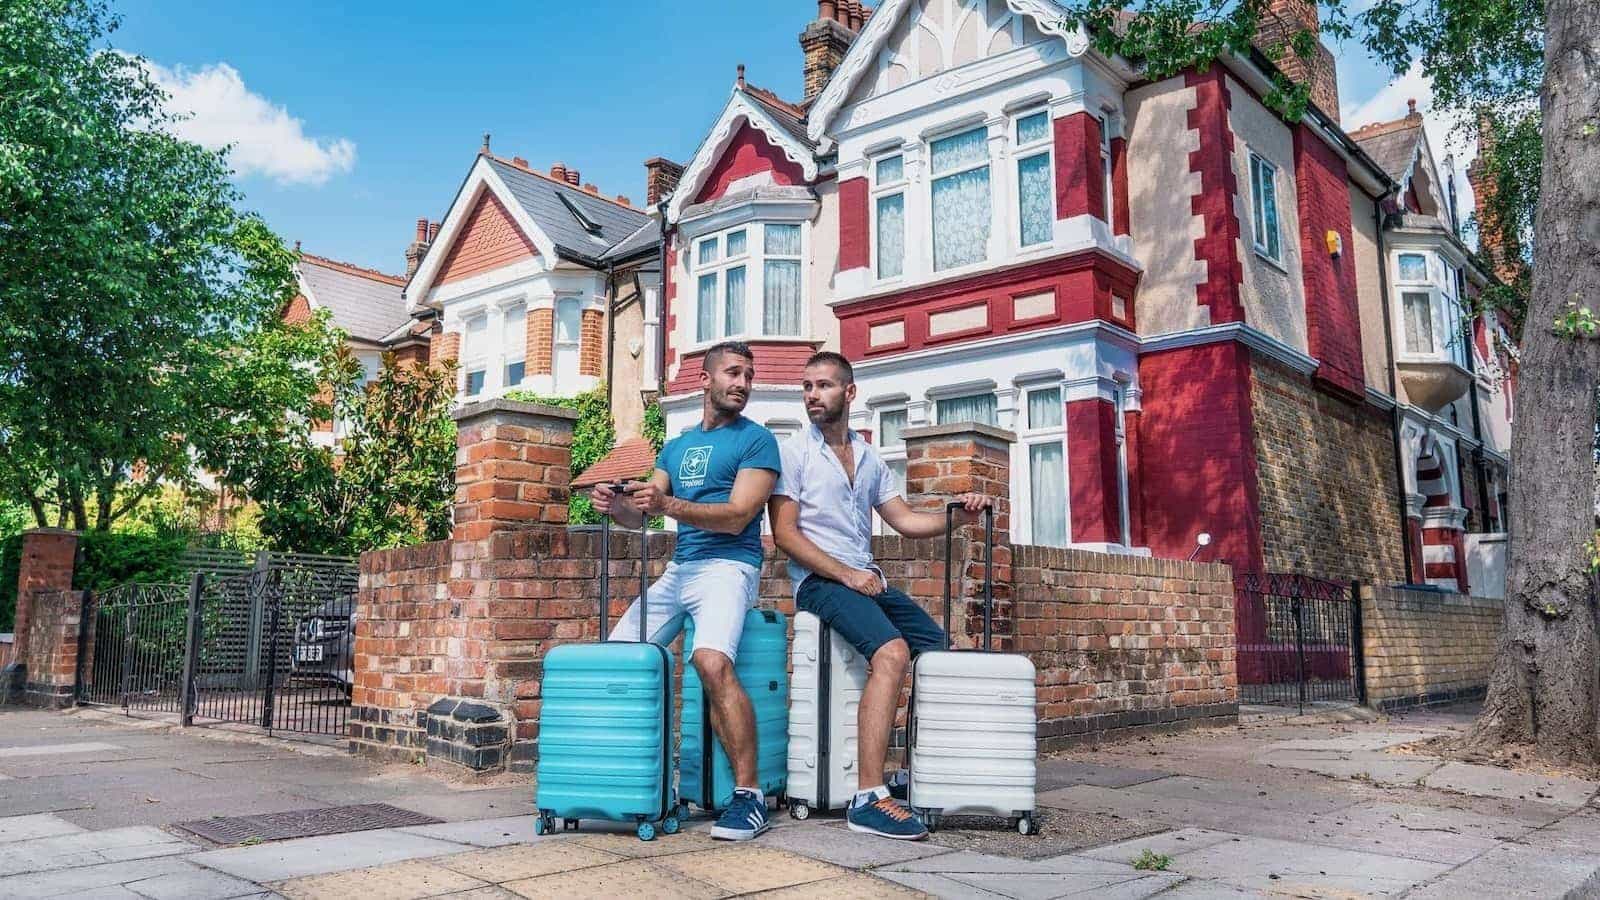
[
  {"x": 611, "y": 328},
  {"x": 1394, "y": 389},
  {"x": 1477, "y": 417},
  {"x": 661, "y": 311}
]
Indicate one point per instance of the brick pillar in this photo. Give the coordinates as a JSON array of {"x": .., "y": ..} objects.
[
  {"x": 513, "y": 466},
  {"x": 1080, "y": 182},
  {"x": 541, "y": 337},
  {"x": 943, "y": 461},
  {"x": 1092, "y": 472},
  {"x": 591, "y": 347},
  {"x": 48, "y": 555}
]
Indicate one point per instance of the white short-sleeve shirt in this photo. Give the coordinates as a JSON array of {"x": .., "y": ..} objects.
[{"x": 835, "y": 514}]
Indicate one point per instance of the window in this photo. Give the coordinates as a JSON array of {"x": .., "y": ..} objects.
[
  {"x": 1264, "y": 189},
  {"x": 781, "y": 297},
  {"x": 515, "y": 329},
  {"x": 892, "y": 449},
  {"x": 1047, "y": 471},
  {"x": 1433, "y": 321},
  {"x": 1119, "y": 404},
  {"x": 980, "y": 408},
  {"x": 1414, "y": 268},
  {"x": 1419, "y": 321},
  {"x": 568, "y": 338},
  {"x": 1035, "y": 180},
  {"x": 730, "y": 275},
  {"x": 475, "y": 353},
  {"x": 1105, "y": 169},
  {"x": 889, "y": 208},
  {"x": 961, "y": 201}
]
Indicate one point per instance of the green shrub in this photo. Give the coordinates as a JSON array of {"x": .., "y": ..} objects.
[
  {"x": 109, "y": 558},
  {"x": 10, "y": 563}
]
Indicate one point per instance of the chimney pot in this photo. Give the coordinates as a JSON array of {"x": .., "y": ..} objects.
[
  {"x": 740, "y": 80},
  {"x": 519, "y": 162},
  {"x": 297, "y": 246},
  {"x": 422, "y": 229},
  {"x": 1411, "y": 106},
  {"x": 559, "y": 171},
  {"x": 574, "y": 177},
  {"x": 842, "y": 13},
  {"x": 591, "y": 189},
  {"x": 623, "y": 199},
  {"x": 433, "y": 231},
  {"x": 826, "y": 9},
  {"x": 485, "y": 150},
  {"x": 855, "y": 15}
]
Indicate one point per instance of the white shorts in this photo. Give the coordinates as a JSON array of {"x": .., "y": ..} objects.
[{"x": 716, "y": 593}]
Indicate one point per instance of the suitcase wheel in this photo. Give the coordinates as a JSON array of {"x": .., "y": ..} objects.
[
  {"x": 647, "y": 832},
  {"x": 669, "y": 825},
  {"x": 569, "y": 824},
  {"x": 799, "y": 810},
  {"x": 931, "y": 821},
  {"x": 544, "y": 824},
  {"x": 1024, "y": 825}
]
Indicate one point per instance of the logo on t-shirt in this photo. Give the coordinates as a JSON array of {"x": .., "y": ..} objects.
[{"x": 696, "y": 462}]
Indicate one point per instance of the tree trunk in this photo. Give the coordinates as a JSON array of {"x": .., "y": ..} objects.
[{"x": 1546, "y": 679}]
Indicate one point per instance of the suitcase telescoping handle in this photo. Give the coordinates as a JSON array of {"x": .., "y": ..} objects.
[
  {"x": 605, "y": 571},
  {"x": 988, "y": 567}
]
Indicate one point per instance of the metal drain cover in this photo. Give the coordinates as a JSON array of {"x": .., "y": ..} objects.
[{"x": 304, "y": 823}]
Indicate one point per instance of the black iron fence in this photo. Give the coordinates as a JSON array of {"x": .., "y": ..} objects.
[
  {"x": 271, "y": 648},
  {"x": 1299, "y": 640}
]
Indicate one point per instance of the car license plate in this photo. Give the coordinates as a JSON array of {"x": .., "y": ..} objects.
[{"x": 310, "y": 654}]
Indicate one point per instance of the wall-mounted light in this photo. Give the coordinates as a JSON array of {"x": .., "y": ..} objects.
[
  {"x": 1201, "y": 541},
  {"x": 1335, "y": 243}
]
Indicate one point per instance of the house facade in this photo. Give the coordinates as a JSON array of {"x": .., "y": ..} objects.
[{"x": 1187, "y": 309}]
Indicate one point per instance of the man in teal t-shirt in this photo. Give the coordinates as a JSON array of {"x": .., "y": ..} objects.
[{"x": 714, "y": 479}]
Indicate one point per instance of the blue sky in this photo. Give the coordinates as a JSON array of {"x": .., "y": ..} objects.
[{"x": 353, "y": 120}]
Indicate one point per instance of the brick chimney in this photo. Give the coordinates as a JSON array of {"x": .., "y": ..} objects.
[
  {"x": 826, "y": 41},
  {"x": 574, "y": 177},
  {"x": 1503, "y": 256},
  {"x": 1280, "y": 22},
  {"x": 419, "y": 247},
  {"x": 660, "y": 179},
  {"x": 559, "y": 171}
]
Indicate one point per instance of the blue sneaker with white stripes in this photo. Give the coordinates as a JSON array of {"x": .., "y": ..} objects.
[{"x": 744, "y": 818}]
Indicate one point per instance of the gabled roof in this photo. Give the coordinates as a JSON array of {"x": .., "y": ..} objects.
[
  {"x": 782, "y": 123},
  {"x": 366, "y": 303},
  {"x": 1049, "y": 16},
  {"x": 582, "y": 225},
  {"x": 1392, "y": 145},
  {"x": 633, "y": 458},
  {"x": 646, "y": 237}
]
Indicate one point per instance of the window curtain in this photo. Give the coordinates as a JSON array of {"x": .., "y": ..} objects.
[
  {"x": 1044, "y": 408},
  {"x": 736, "y": 244},
  {"x": 1034, "y": 190},
  {"x": 891, "y": 235},
  {"x": 782, "y": 308},
  {"x": 734, "y": 301},
  {"x": 706, "y": 328},
  {"x": 1047, "y": 476},
  {"x": 978, "y": 408},
  {"x": 890, "y": 424},
  {"x": 961, "y": 202},
  {"x": 1419, "y": 322}
]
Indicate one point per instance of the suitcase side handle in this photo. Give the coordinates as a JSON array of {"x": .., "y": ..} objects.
[
  {"x": 605, "y": 571},
  {"x": 988, "y": 568}
]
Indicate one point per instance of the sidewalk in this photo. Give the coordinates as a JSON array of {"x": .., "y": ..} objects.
[{"x": 88, "y": 808}]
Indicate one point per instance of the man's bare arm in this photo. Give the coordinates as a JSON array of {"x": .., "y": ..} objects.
[
  {"x": 912, "y": 524},
  {"x": 792, "y": 541},
  {"x": 751, "y": 488},
  {"x": 617, "y": 504}
]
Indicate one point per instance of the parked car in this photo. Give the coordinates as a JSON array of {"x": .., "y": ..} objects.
[{"x": 323, "y": 642}]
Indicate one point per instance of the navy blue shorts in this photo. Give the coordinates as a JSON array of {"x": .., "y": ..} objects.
[{"x": 870, "y": 622}]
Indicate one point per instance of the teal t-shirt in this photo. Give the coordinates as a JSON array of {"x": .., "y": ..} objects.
[{"x": 703, "y": 465}]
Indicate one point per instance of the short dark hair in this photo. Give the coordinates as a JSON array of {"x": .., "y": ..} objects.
[
  {"x": 738, "y": 348},
  {"x": 828, "y": 356}
]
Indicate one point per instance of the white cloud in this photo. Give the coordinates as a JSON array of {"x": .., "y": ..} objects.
[
  {"x": 219, "y": 111},
  {"x": 1446, "y": 136}
]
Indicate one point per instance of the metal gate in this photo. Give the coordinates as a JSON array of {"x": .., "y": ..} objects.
[
  {"x": 272, "y": 648},
  {"x": 1299, "y": 640}
]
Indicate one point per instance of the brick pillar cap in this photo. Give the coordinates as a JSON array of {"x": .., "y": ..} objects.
[
  {"x": 991, "y": 432},
  {"x": 50, "y": 531},
  {"x": 500, "y": 406}
]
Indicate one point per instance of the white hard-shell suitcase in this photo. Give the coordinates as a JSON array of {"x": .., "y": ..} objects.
[
  {"x": 824, "y": 697},
  {"x": 973, "y": 728}
]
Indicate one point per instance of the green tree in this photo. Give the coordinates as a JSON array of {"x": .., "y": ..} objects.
[
  {"x": 127, "y": 271},
  {"x": 387, "y": 480},
  {"x": 1532, "y": 69}
]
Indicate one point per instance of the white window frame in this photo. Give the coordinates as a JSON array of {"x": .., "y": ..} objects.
[
  {"x": 566, "y": 382},
  {"x": 1027, "y": 438},
  {"x": 475, "y": 355},
  {"x": 888, "y": 453},
  {"x": 881, "y": 191},
  {"x": 934, "y": 178},
  {"x": 1046, "y": 147},
  {"x": 1119, "y": 403},
  {"x": 753, "y": 260},
  {"x": 1258, "y": 229},
  {"x": 1445, "y": 311},
  {"x": 1105, "y": 167},
  {"x": 510, "y": 354}
]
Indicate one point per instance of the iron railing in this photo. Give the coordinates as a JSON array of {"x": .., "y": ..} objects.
[{"x": 1299, "y": 640}]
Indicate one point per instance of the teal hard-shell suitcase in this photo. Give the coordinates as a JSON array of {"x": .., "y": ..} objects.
[
  {"x": 762, "y": 668},
  {"x": 605, "y": 726}
]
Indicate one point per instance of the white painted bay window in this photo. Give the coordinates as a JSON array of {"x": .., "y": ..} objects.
[
  {"x": 749, "y": 281},
  {"x": 568, "y": 342},
  {"x": 475, "y": 355},
  {"x": 1046, "y": 490},
  {"x": 980, "y": 408},
  {"x": 892, "y": 421},
  {"x": 961, "y": 201},
  {"x": 1264, "y": 209},
  {"x": 516, "y": 342},
  {"x": 1433, "y": 320},
  {"x": 1036, "y": 189},
  {"x": 889, "y": 215},
  {"x": 781, "y": 276}
]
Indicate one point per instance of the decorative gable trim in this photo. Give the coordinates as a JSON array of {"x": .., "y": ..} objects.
[
  {"x": 1049, "y": 17},
  {"x": 481, "y": 178},
  {"x": 740, "y": 109}
]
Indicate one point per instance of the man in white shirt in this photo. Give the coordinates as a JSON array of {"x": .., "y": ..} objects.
[{"x": 821, "y": 512}]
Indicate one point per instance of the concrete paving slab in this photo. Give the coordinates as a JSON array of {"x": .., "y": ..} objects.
[
  {"x": 1196, "y": 889},
  {"x": 855, "y": 886},
  {"x": 486, "y": 893},
  {"x": 941, "y": 886},
  {"x": 110, "y": 892},
  {"x": 483, "y": 832},
  {"x": 75, "y": 882},
  {"x": 1382, "y": 768},
  {"x": 192, "y": 883},
  {"x": 1176, "y": 812},
  {"x": 962, "y": 863},
  {"x": 626, "y": 880},
  {"x": 1211, "y": 790},
  {"x": 1149, "y": 885},
  {"x": 13, "y": 751},
  {"x": 1172, "y": 843},
  {"x": 88, "y": 848},
  {"x": 1048, "y": 887},
  {"x": 1372, "y": 740},
  {"x": 240, "y": 800},
  {"x": 625, "y": 843},
  {"x": 513, "y": 863},
  {"x": 1060, "y": 832},
  {"x": 838, "y": 845},
  {"x": 1060, "y": 773},
  {"x": 1520, "y": 872},
  {"x": 410, "y": 880},
  {"x": 743, "y": 869},
  {"x": 451, "y": 806},
  {"x": 284, "y": 860},
  {"x": 40, "y": 825},
  {"x": 1268, "y": 865},
  {"x": 1577, "y": 834},
  {"x": 1490, "y": 781}
]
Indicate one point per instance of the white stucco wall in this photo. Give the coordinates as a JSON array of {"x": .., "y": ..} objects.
[
  {"x": 1162, "y": 221},
  {"x": 1273, "y": 292}
]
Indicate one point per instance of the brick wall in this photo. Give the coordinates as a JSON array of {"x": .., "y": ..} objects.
[
  {"x": 591, "y": 349},
  {"x": 406, "y": 627},
  {"x": 51, "y": 653},
  {"x": 541, "y": 337},
  {"x": 1425, "y": 647},
  {"x": 1325, "y": 468},
  {"x": 1125, "y": 642}
]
